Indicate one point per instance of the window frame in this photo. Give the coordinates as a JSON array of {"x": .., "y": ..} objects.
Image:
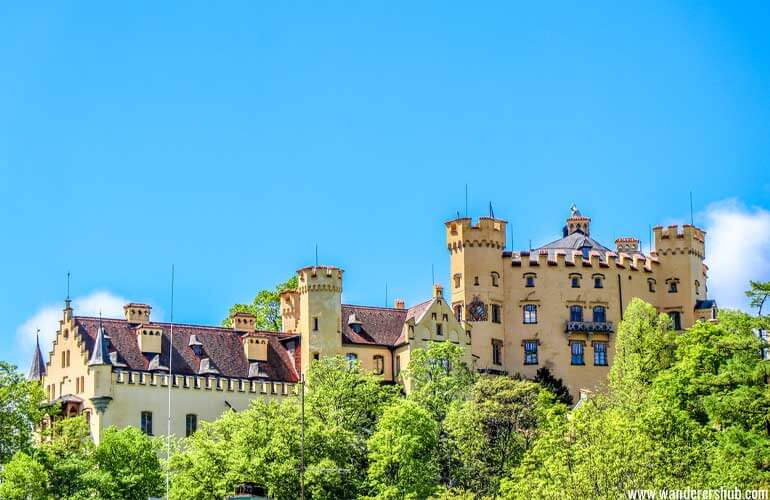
[
  {"x": 530, "y": 352},
  {"x": 578, "y": 310},
  {"x": 529, "y": 314},
  {"x": 497, "y": 352},
  {"x": 600, "y": 355},
  {"x": 577, "y": 354},
  {"x": 190, "y": 424},
  {"x": 379, "y": 364},
  {"x": 575, "y": 280},
  {"x": 495, "y": 278},
  {"x": 529, "y": 280},
  {"x": 496, "y": 313},
  {"x": 602, "y": 310},
  {"x": 145, "y": 422}
]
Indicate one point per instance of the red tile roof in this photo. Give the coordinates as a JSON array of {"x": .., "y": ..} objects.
[
  {"x": 379, "y": 325},
  {"x": 222, "y": 346}
]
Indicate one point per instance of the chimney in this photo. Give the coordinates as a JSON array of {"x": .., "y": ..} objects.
[
  {"x": 137, "y": 313},
  {"x": 243, "y": 322},
  {"x": 627, "y": 245},
  {"x": 438, "y": 290},
  {"x": 399, "y": 304}
]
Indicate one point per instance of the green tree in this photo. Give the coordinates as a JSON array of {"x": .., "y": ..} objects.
[
  {"x": 402, "y": 452},
  {"x": 491, "y": 432},
  {"x": 129, "y": 460},
  {"x": 758, "y": 294},
  {"x": 23, "y": 478},
  {"x": 266, "y": 307},
  {"x": 545, "y": 378},
  {"x": 20, "y": 411},
  {"x": 438, "y": 376}
]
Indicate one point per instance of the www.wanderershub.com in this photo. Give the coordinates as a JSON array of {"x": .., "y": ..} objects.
[{"x": 697, "y": 494}]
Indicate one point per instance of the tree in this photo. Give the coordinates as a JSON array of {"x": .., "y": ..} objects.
[
  {"x": 130, "y": 461},
  {"x": 438, "y": 376},
  {"x": 23, "y": 478},
  {"x": 266, "y": 307},
  {"x": 20, "y": 411},
  {"x": 402, "y": 452},
  {"x": 545, "y": 378},
  {"x": 758, "y": 294},
  {"x": 492, "y": 431}
]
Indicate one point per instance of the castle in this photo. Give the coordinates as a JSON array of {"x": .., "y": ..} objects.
[{"x": 556, "y": 307}]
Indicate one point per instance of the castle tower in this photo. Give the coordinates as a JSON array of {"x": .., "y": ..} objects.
[
  {"x": 476, "y": 283},
  {"x": 577, "y": 222},
  {"x": 320, "y": 306},
  {"x": 681, "y": 279}
]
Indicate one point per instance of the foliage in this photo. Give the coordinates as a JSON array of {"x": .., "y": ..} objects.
[
  {"x": 438, "y": 376},
  {"x": 266, "y": 307},
  {"x": 545, "y": 378},
  {"x": 491, "y": 432},
  {"x": 402, "y": 452},
  {"x": 20, "y": 411},
  {"x": 22, "y": 478},
  {"x": 758, "y": 294},
  {"x": 129, "y": 460}
]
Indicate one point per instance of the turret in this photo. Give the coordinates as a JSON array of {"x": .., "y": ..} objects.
[
  {"x": 577, "y": 222},
  {"x": 320, "y": 307},
  {"x": 476, "y": 279},
  {"x": 681, "y": 274},
  {"x": 37, "y": 370}
]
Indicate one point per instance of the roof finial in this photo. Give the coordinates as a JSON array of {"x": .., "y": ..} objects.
[
  {"x": 67, "y": 300},
  {"x": 37, "y": 370},
  {"x": 574, "y": 210}
]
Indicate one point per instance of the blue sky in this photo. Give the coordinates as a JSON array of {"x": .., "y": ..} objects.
[{"x": 231, "y": 140}]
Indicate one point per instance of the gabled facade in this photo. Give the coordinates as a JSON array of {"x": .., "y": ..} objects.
[{"x": 118, "y": 371}]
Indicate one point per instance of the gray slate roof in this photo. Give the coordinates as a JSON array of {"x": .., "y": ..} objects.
[{"x": 37, "y": 370}]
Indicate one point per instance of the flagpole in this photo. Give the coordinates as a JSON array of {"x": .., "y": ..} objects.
[{"x": 170, "y": 375}]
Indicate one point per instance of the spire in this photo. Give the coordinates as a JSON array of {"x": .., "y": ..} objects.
[
  {"x": 101, "y": 354},
  {"x": 37, "y": 370}
]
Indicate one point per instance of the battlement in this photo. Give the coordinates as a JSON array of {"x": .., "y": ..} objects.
[
  {"x": 685, "y": 239},
  {"x": 627, "y": 244},
  {"x": 574, "y": 258},
  {"x": 488, "y": 232},
  {"x": 203, "y": 383},
  {"x": 320, "y": 278}
]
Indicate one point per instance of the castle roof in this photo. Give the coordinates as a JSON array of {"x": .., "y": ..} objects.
[
  {"x": 380, "y": 325},
  {"x": 574, "y": 241},
  {"x": 37, "y": 370},
  {"x": 222, "y": 348}
]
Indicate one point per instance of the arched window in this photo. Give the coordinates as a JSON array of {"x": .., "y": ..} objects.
[
  {"x": 576, "y": 313},
  {"x": 574, "y": 280},
  {"x": 530, "y": 314},
  {"x": 458, "y": 309},
  {"x": 598, "y": 281},
  {"x": 457, "y": 279},
  {"x": 697, "y": 287},
  {"x": 600, "y": 314},
  {"x": 651, "y": 284},
  {"x": 495, "y": 279}
]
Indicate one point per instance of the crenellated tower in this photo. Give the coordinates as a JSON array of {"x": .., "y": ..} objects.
[
  {"x": 476, "y": 282},
  {"x": 682, "y": 275},
  {"x": 319, "y": 297}
]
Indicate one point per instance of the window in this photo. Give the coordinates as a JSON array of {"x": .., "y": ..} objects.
[
  {"x": 67, "y": 352},
  {"x": 457, "y": 280},
  {"x": 575, "y": 280},
  {"x": 576, "y": 348},
  {"x": 651, "y": 285},
  {"x": 439, "y": 329},
  {"x": 398, "y": 364},
  {"x": 146, "y": 422},
  {"x": 529, "y": 280},
  {"x": 497, "y": 352},
  {"x": 576, "y": 313},
  {"x": 496, "y": 313},
  {"x": 530, "y": 314},
  {"x": 673, "y": 285},
  {"x": 444, "y": 317},
  {"x": 66, "y": 333},
  {"x": 495, "y": 279},
  {"x": 433, "y": 316},
  {"x": 63, "y": 360},
  {"x": 598, "y": 281},
  {"x": 351, "y": 358},
  {"x": 379, "y": 364},
  {"x": 458, "y": 312},
  {"x": 600, "y": 314},
  {"x": 676, "y": 319},
  {"x": 530, "y": 352},
  {"x": 316, "y": 356},
  {"x": 600, "y": 353},
  {"x": 476, "y": 280},
  {"x": 697, "y": 287},
  {"x": 586, "y": 251},
  {"x": 191, "y": 424},
  {"x": 315, "y": 324}
]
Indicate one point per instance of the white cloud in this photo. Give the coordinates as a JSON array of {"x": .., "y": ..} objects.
[
  {"x": 738, "y": 250},
  {"x": 47, "y": 318}
]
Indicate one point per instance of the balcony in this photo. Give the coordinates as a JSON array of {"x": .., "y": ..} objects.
[{"x": 590, "y": 326}]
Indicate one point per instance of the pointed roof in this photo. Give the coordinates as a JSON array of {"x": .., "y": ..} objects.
[
  {"x": 101, "y": 353},
  {"x": 37, "y": 370}
]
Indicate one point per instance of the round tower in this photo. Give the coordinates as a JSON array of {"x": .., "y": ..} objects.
[{"x": 476, "y": 282}]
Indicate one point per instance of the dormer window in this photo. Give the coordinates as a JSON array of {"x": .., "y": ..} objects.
[
  {"x": 586, "y": 251},
  {"x": 354, "y": 323}
]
